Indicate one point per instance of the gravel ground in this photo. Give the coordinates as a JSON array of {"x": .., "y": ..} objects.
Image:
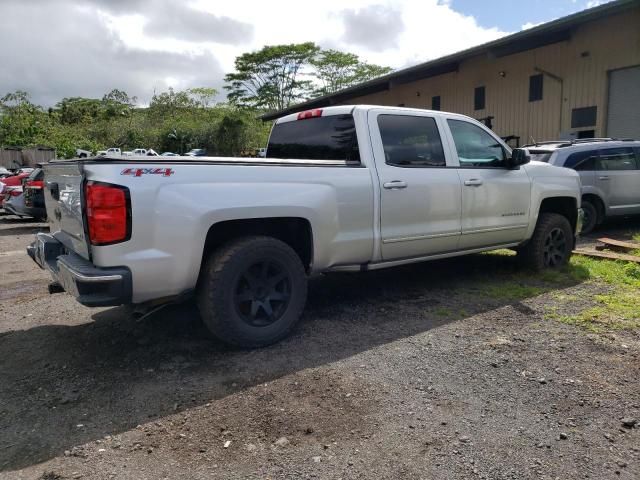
[{"x": 410, "y": 373}]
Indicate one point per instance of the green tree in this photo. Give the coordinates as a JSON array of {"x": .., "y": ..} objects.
[
  {"x": 76, "y": 110},
  {"x": 117, "y": 102},
  {"x": 203, "y": 96},
  {"x": 20, "y": 120},
  {"x": 337, "y": 70},
  {"x": 169, "y": 103},
  {"x": 271, "y": 78}
]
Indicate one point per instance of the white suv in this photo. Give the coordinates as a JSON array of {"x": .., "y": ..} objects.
[{"x": 609, "y": 171}]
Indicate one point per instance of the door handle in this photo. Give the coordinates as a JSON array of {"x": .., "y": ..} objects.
[
  {"x": 395, "y": 185},
  {"x": 604, "y": 177},
  {"x": 473, "y": 182}
]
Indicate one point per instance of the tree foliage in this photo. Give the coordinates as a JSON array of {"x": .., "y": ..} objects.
[
  {"x": 335, "y": 70},
  {"x": 278, "y": 76},
  {"x": 175, "y": 121},
  {"x": 271, "y": 78}
]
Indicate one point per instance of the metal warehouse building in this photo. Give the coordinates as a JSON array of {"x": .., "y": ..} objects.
[{"x": 575, "y": 77}]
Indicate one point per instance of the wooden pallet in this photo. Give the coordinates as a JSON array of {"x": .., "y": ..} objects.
[
  {"x": 608, "y": 255},
  {"x": 610, "y": 244}
]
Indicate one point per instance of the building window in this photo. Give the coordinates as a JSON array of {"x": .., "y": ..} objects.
[
  {"x": 478, "y": 98},
  {"x": 535, "y": 87},
  {"x": 435, "y": 102},
  {"x": 583, "y": 117}
]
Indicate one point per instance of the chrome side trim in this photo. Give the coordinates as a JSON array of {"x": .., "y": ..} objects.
[
  {"x": 494, "y": 229},
  {"x": 420, "y": 237},
  {"x": 634, "y": 205},
  {"x": 406, "y": 261}
]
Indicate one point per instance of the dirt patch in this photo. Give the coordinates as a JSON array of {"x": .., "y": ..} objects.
[{"x": 443, "y": 370}]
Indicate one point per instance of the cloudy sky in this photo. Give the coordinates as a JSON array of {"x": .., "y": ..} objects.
[{"x": 58, "y": 48}]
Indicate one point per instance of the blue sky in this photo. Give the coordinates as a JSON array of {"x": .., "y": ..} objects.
[{"x": 511, "y": 15}]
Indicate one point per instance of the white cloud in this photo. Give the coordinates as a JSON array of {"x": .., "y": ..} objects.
[
  {"x": 529, "y": 25},
  {"x": 402, "y": 33},
  {"x": 431, "y": 29}
]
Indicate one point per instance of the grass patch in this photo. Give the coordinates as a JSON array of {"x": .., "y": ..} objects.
[
  {"x": 615, "y": 307},
  {"x": 616, "y": 311},
  {"x": 618, "y": 308}
]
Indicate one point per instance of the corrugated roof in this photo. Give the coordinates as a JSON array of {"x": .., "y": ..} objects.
[{"x": 545, "y": 34}]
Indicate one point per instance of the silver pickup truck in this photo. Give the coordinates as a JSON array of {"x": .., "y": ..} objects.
[{"x": 348, "y": 188}]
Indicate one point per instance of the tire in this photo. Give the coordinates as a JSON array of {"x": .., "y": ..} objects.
[
  {"x": 551, "y": 243},
  {"x": 252, "y": 291},
  {"x": 590, "y": 217}
]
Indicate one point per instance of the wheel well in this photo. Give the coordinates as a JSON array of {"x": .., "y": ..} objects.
[
  {"x": 565, "y": 206},
  {"x": 295, "y": 232},
  {"x": 598, "y": 203}
]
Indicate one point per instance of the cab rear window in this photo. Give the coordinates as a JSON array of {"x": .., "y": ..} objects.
[{"x": 319, "y": 138}]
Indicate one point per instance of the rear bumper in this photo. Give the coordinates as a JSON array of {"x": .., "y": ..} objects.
[{"x": 90, "y": 285}]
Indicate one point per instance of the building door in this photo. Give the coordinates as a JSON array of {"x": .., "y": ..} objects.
[{"x": 623, "y": 119}]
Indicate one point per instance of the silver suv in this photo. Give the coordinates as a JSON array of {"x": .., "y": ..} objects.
[{"x": 609, "y": 170}]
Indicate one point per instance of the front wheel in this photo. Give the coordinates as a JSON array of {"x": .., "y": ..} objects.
[
  {"x": 551, "y": 243},
  {"x": 252, "y": 291}
]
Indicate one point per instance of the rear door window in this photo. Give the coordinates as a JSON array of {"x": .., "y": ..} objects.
[
  {"x": 318, "y": 138},
  {"x": 411, "y": 141},
  {"x": 617, "y": 159}
]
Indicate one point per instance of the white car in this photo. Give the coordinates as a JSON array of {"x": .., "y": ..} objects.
[
  {"x": 348, "y": 188},
  {"x": 145, "y": 152},
  {"x": 109, "y": 152}
]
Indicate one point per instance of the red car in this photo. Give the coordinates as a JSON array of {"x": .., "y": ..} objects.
[{"x": 13, "y": 181}]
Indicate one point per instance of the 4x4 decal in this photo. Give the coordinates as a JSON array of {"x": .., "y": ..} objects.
[{"x": 138, "y": 172}]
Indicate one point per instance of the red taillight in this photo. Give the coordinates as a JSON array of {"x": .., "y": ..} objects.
[
  {"x": 15, "y": 193},
  {"x": 310, "y": 114},
  {"x": 35, "y": 184},
  {"x": 108, "y": 213}
]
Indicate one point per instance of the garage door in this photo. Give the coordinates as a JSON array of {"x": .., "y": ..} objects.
[{"x": 623, "y": 120}]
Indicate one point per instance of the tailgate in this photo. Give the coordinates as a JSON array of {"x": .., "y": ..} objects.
[{"x": 63, "y": 194}]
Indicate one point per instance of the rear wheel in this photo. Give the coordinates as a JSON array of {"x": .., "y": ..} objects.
[
  {"x": 551, "y": 243},
  {"x": 252, "y": 291},
  {"x": 590, "y": 216}
]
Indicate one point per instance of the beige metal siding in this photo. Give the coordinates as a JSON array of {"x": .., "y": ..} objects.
[{"x": 583, "y": 63}]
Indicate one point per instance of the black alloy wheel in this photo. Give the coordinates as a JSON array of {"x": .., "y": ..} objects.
[
  {"x": 555, "y": 248},
  {"x": 262, "y": 293}
]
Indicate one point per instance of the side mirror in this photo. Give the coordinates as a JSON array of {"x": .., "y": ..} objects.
[{"x": 519, "y": 156}]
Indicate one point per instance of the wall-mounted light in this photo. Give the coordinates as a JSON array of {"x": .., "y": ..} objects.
[{"x": 502, "y": 73}]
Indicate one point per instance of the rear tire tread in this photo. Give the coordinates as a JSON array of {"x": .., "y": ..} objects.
[{"x": 213, "y": 304}]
